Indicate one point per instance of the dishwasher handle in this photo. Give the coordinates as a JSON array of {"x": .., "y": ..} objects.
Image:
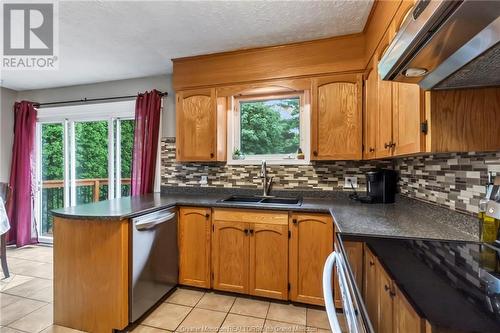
[{"x": 150, "y": 223}]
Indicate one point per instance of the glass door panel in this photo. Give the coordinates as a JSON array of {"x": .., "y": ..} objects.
[
  {"x": 51, "y": 171},
  {"x": 91, "y": 157},
  {"x": 126, "y": 136}
]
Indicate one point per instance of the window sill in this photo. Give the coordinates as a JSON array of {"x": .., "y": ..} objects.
[{"x": 269, "y": 162}]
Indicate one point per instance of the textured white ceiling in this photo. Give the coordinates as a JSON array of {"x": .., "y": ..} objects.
[{"x": 112, "y": 40}]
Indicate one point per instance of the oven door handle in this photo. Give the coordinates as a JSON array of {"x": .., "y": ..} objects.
[{"x": 328, "y": 292}]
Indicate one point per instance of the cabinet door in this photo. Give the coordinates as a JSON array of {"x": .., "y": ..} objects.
[
  {"x": 371, "y": 113},
  {"x": 406, "y": 320},
  {"x": 384, "y": 128},
  {"x": 408, "y": 114},
  {"x": 269, "y": 260},
  {"x": 370, "y": 286},
  {"x": 230, "y": 256},
  {"x": 194, "y": 246},
  {"x": 311, "y": 242},
  {"x": 337, "y": 118},
  {"x": 385, "y": 304},
  {"x": 354, "y": 253},
  {"x": 196, "y": 125}
]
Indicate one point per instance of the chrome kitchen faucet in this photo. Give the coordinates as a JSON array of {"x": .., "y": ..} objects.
[{"x": 267, "y": 182}]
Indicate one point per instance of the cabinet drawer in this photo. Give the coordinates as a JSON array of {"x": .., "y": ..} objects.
[{"x": 251, "y": 216}]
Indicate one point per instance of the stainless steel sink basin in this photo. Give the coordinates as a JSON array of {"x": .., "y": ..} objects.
[
  {"x": 281, "y": 201},
  {"x": 236, "y": 198},
  {"x": 249, "y": 200}
]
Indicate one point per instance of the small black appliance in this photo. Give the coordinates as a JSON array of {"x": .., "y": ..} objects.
[{"x": 381, "y": 186}]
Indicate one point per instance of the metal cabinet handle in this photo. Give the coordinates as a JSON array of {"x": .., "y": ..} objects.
[
  {"x": 372, "y": 149},
  {"x": 315, "y": 153},
  {"x": 386, "y": 145},
  {"x": 251, "y": 232},
  {"x": 246, "y": 231},
  {"x": 294, "y": 221},
  {"x": 207, "y": 215},
  {"x": 212, "y": 155},
  {"x": 386, "y": 287},
  {"x": 372, "y": 263}
]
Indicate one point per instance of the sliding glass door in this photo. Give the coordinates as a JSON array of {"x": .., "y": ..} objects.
[
  {"x": 51, "y": 170},
  {"x": 81, "y": 158},
  {"x": 90, "y": 162}
]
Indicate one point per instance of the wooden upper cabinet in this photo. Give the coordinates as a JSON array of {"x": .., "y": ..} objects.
[
  {"x": 408, "y": 116},
  {"x": 269, "y": 260},
  {"x": 384, "y": 122},
  {"x": 463, "y": 120},
  {"x": 196, "y": 125},
  {"x": 194, "y": 246},
  {"x": 230, "y": 256},
  {"x": 370, "y": 122},
  {"x": 310, "y": 243},
  {"x": 337, "y": 118}
]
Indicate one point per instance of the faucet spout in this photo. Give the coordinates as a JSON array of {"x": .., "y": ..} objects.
[{"x": 266, "y": 181}]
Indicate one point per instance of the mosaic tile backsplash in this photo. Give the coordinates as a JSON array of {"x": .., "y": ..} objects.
[
  {"x": 456, "y": 181},
  {"x": 326, "y": 176}
]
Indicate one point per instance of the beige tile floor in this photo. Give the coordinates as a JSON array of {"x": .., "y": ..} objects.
[{"x": 26, "y": 305}]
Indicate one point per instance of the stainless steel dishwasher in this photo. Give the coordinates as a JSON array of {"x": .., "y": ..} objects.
[{"x": 154, "y": 260}]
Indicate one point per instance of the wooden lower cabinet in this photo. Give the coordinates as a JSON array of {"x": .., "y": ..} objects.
[
  {"x": 230, "y": 256},
  {"x": 311, "y": 241},
  {"x": 269, "y": 260},
  {"x": 406, "y": 320},
  {"x": 354, "y": 252},
  {"x": 250, "y": 252},
  {"x": 194, "y": 246},
  {"x": 272, "y": 254},
  {"x": 388, "y": 309},
  {"x": 385, "y": 302},
  {"x": 370, "y": 291}
]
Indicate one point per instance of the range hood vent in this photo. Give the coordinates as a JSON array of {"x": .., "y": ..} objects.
[{"x": 446, "y": 44}]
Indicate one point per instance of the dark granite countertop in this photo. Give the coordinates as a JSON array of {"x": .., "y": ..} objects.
[
  {"x": 441, "y": 279},
  {"x": 407, "y": 218}
]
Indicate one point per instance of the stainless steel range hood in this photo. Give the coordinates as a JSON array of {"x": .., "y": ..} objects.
[{"x": 446, "y": 45}]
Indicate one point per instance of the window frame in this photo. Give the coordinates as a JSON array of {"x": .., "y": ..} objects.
[{"x": 234, "y": 130}]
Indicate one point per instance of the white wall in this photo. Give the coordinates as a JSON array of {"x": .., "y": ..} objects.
[
  {"x": 7, "y": 100},
  {"x": 109, "y": 89}
]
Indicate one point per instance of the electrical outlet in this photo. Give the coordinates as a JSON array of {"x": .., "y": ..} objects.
[
  {"x": 350, "y": 180},
  {"x": 204, "y": 180}
]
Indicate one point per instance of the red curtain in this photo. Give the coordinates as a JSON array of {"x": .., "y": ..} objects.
[
  {"x": 22, "y": 180},
  {"x": 147, "y": 126}
]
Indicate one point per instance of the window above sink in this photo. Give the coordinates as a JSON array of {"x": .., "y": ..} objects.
[{"x": 269, "y": 127}]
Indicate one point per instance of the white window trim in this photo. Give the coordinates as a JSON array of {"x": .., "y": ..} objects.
[{"x": 233, "y": 127}]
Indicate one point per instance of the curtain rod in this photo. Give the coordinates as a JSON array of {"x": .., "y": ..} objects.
[{"x": 91, "y": 100}]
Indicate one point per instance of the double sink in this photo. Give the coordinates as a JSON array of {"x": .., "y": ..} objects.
[{"x": 262, "y": 201}]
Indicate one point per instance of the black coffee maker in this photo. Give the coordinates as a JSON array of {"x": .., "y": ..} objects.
[{"x": 381, "y": 186}]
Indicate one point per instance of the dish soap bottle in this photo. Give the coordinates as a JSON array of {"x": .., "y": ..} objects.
[{"x": 489, "y": 225}]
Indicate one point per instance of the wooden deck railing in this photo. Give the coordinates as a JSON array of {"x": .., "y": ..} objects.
[
  {"x": 87, "y": 191},
  {"x": 94, "y": 182}
]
